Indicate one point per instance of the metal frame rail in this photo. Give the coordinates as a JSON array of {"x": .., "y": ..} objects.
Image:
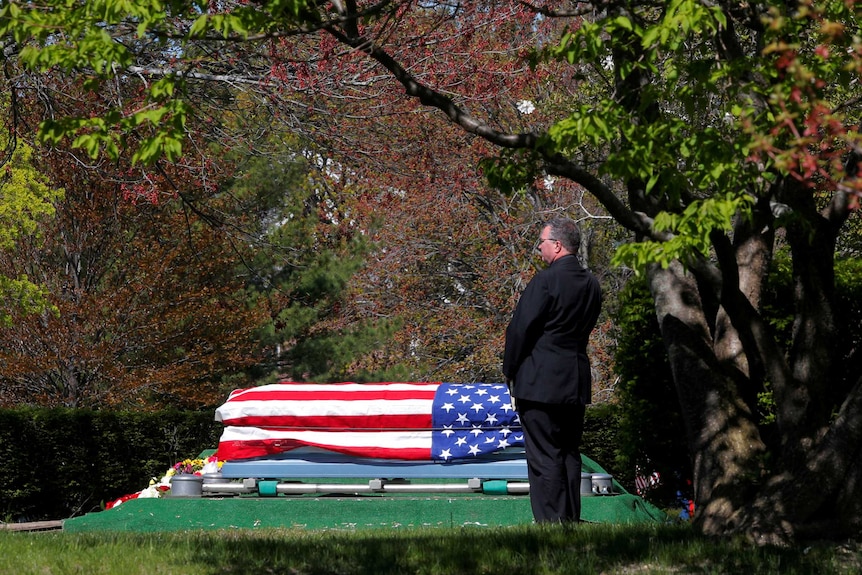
[{"x": 502, "y": 473}]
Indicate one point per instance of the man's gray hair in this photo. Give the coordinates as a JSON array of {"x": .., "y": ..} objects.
[{"x": 566, "y": 231}]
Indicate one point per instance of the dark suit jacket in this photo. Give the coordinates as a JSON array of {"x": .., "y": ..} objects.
[{"x": 546, "y": 341}]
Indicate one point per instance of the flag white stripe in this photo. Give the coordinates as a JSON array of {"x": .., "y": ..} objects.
[
  {"x": 325, "y": 407},
  {"x": 411, "y": 439}
]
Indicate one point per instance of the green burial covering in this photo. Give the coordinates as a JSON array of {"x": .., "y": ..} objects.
[{"x": 351, "y": 513}]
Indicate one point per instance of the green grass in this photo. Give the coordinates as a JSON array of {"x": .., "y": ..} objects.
[{"x": 521, "y": 550}]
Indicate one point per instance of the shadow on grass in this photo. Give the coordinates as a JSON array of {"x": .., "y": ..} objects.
[{"x": 521, "y": 550}]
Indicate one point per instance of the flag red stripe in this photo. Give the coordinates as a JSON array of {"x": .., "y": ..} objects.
[
  {"x": 381, "y": 422},
  {"x": 348, "y": 391},
  {"x": 233, "y": 450},
  {"x": 244, "y": 442},
  {"x": 333, "y": 394},
  {"x": 331, "y": 406}
]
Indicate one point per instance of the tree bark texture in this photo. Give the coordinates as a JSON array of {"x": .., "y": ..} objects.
[{"x": 774, "y": 483}]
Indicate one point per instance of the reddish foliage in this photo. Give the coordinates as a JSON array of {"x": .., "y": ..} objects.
[{"x": 150, "y": 311}]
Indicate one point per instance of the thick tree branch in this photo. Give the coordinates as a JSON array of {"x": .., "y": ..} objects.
[
  {"x": 554, "y": 165},
  {"x": 233, "y": 79},
  {"x": 583, "y": 9},
  {"x": 637, "y": 222},
  {"x": 434, "y": 99},
  {"x": 756, "y": 338}
]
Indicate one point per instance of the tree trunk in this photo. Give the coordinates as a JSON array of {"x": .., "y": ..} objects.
[
  {"x": 772, "y": 491},
  {"x": 724, "y": 441}
]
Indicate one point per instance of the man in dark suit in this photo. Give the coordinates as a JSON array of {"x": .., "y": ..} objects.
[{"x": 547, "y": 367}]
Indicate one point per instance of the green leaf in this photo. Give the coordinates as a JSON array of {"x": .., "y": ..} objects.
[
  {"x": 624, "y": 23},
  {"x": 163, "y": 88},
  {"x": 199, "y": 27}
]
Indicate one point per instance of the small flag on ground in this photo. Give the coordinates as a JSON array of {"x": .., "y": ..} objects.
[{"x": 644, "y": 483}]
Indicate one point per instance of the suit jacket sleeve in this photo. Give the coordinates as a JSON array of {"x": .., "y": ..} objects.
[{"x": 526, "y": 326}]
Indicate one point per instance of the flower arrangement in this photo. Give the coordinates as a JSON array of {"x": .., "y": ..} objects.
[
  {"x": 160, "y": 487},
  {"x": 195, "y": 467}
]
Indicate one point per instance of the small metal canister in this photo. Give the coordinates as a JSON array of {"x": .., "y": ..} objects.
[{"x": 602, "y": 484}]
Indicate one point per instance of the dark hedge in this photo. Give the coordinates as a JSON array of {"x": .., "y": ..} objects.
[{"x": 60, "y": 463}]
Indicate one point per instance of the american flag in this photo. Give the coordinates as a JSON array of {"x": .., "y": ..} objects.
[
  {"x": 473, "y": 419},
  {"x": 411, "y": 421},
  {"x": 644, "y": 483}
]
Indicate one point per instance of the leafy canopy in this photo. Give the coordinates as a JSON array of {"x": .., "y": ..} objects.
[
  {"x": 102, "y": 38},
  {"x": 25, "y": 199},
  {"x": 705, "y": 138}
]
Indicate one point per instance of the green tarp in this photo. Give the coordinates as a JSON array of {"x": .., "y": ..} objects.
[{"x": 358, "y": 512}]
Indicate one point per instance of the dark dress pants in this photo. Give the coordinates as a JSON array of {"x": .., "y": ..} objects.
[{"x": 552, "y": 438}]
